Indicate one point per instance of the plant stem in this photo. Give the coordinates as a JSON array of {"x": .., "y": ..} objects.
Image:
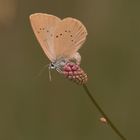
[{"x": 103, "y": 113}]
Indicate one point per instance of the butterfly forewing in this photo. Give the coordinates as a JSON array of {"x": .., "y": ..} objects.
[
  {"x": 69, "y": 36},
  {"x": 44, "y": 26}
]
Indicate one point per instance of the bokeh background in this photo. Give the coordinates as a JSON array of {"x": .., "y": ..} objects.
[{"x": 33, "y": 108}]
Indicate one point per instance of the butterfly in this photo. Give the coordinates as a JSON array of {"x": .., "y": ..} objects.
[{"x": 60, "y": 39}]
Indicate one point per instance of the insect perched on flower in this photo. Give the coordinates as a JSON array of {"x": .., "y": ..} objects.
[{"x": 60, "y": 41}]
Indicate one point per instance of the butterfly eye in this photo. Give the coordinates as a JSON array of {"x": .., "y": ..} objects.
[{"x": 52, "y": 66}]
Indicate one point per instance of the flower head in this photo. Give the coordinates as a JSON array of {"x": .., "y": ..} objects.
[{"x": 74, "y": 72}]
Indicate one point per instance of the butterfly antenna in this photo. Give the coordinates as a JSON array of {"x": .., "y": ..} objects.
[{"x": 41, "y": 71}]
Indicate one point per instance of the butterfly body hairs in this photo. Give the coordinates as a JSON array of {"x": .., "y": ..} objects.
[{"x": 60, "y": 41}]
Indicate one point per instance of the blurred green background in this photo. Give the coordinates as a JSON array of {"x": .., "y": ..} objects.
[{"x": 32, "y": 108}]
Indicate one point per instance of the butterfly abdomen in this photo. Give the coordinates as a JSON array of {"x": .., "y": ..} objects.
[{"x": 74, "y": 72}]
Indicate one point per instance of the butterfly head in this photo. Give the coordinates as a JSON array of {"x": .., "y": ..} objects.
[{"x": 52, "y": 66}]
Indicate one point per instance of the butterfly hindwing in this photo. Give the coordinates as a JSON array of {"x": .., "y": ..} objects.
[{"x": 70, "y": 34}]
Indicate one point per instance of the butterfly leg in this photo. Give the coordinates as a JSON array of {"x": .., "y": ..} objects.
[{"x": 59, "y": 70}]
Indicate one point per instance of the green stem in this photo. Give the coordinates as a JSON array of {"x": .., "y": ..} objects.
[{"x": 103, "y": 113}]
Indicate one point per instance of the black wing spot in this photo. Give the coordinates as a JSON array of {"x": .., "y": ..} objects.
[
  {"x": 47, "y": 31},
  {"x": 61, "y": 34},
  {"x": 72, "y": 40},
  {"x": 57, "y": 36},
  {"x": 70, "y": 35},
  {"x": 40, "y": 28},
  {"x": 65, "y": 30}
]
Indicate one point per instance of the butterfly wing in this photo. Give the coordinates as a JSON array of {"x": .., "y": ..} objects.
[
  {"x": 76, "y": 57},
  {"x": 70, "y": 35},
  {"x": 44, "y": 26}
]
